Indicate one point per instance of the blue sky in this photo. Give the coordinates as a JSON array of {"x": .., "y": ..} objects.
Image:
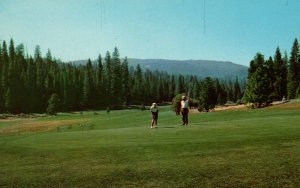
[{"x": 229, "y": 30}]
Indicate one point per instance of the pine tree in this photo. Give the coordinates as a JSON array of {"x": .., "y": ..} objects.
[
  {"x": 181, "y": 86},
  {"x": 65, "y": 88},
  {"x": 258, "y": 88},
  {"x": 1, "y": 88},
  {"x": 208, "y": 95},
  {"x": 30, "y": 86},
  {"x": 49, "y": 79},
  {"x": 88, "y": 85},
  {"x": 237, "y": 90},
  {"x": 99, "y": 82},
  {"x": 37, "y": 52},
  {"x": 293, "y": 73},
  {"x": 116, "y": 86},
  {"x": 284, "y": 75},
  {"x": 48, "y": 56},
  {"x": 4, "y": 73},
  {"x": 11, "y": 94},
  {"x": 161, "y": 90},
  {"x": 220, "y": 92},
  {"x": 9, "y": 101},
  {"x": 271, "y": 76},
  {"x": 138, "y": 89},
  {"x": 150, "y": 94},
  {"x": 108, "y": 79},
  {"x": 53, "y": 104},
  {"x": 12, "y": 53},
  {"x": 126, "y": 91},
  {"x": 280, "y": 72},
  {"x": 172, "y": 87},
  {"x": 41, "y": 100},
  {"x": 230, "y": 90},
  {"x": 20, "y": 78},
  {"x": 252, "y": 68}
]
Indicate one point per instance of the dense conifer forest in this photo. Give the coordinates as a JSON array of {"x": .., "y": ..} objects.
[
  {"x": 40, "y": 83},
  {"x": 28, "y": 83}
]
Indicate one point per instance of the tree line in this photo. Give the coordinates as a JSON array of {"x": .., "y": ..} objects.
[
  {"x": 32, "y": 84},
  {"x": 275, "y": 78}
]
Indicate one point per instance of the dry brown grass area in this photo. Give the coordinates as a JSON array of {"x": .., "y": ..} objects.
[
  {"x": 221, "y": 108},
  {"x": 289, "y": 105},
  {"x": 28, "y": 125},
  {"x": 275, "y": 105},
  {"x": 241, "y": 106}
]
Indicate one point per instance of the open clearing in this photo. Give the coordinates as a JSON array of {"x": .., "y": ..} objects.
[{"x": 230, "y": 148}]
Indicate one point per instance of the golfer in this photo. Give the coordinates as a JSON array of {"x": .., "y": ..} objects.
[
  {"x": 154, "y": 111},
  {"x": 185, "y": 110}
]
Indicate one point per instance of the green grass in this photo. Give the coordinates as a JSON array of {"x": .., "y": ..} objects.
[{"x": 238, "y": 148}]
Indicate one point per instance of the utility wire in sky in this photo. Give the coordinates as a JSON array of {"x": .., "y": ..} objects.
[
  {"x": 204, "y": 17},
  {"x": 101, "y": 5}
]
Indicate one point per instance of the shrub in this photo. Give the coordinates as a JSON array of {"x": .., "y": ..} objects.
[
  {"x": 53, "y": 104},
  {"x": 176, "y": 103}
]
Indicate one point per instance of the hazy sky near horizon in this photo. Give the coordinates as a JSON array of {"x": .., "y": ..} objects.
[{"x": 227, "y": 30}]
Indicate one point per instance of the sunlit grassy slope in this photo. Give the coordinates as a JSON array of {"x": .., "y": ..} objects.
[{"x": 238, "y": 148}]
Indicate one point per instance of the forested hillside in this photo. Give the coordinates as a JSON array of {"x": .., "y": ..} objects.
[{"x": 201, "y": 68}]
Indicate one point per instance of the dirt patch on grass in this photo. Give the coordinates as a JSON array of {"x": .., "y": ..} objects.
[{"x": 29, "y": 125}]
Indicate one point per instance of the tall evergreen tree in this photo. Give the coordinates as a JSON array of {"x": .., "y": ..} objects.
[
  {"x": 88, "y": 84},
  {"x": 1, "y": 87},
  {"x": 181, "y": 86},
  {"x": 11, "y": 94},
  {"x": 220, "y": 92},
  {"x": 4, "y": 73},
  {"x": 20, "y": 77},
  {"x": 138, "y": 89},
  {"x": 99, "y": 82},
  {"x": 53, "y": 104},
  {"x": 37, "y": 52},
  {"x": 230, "y": 90},
  {"x": 126, "y": 91},
  {"x": 280, "y": 75},
  {"x": 258, "y": 88},
  {"x": 116, "y": 86},
  {"x": 284, "y": 75},
  {"x": 237, "y": 90},
  {"x": 208, "y": 95},
  {"x": 12, "y": 52},
  {"x": 30, "y": 86},
  {"x": 172, "y": 87},
  {"x": 40, "y": 81},
  {"x": 293, "y": 73},
  {"x": 270, "y": 76},
  {"x": 108, "y": 78}
]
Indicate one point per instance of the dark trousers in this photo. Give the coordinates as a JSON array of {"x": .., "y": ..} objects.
[{"x": 184, "y": 112}]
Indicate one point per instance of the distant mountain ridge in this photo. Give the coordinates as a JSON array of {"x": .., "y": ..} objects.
[{"x": 201, "y": 68}]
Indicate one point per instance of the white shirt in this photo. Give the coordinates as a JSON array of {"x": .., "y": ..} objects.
[
  {"x": 185, "y": 104},
  {"x": 153, "y": 109}
]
